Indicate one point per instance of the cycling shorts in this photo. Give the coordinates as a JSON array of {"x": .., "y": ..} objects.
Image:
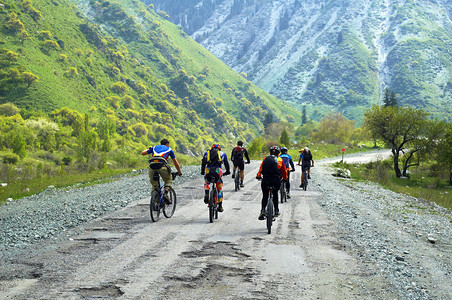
[
  {"x": 305, "y": 167},
  {"x": 240, "y": 165}
]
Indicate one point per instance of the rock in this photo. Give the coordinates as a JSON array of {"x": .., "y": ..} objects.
[
  {"x": 400, "y": 258},
  {"x": 344, "y": 173},
  {"x": 431, "y": 239},
  {"x": 3, "y": 184}
]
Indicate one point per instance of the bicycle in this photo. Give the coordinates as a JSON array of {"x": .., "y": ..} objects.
[
  {"x": 213, "y": 201},
  {"x": 237, "y": 179},
  {"x": 269, "y": 210},
  {"x": 305, "y": 179},
  {"x": 158, "y": 203},
  {"x": 283, "y": 191}
]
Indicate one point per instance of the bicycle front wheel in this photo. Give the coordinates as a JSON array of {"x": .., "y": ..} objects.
[
  {"x": 283, "y": 192},
  {"x": 154, "y": 206},
  {"x": 168, "y": 209},
  {"x": 270, "y": 213},
  {"x": 212, "y": 204}
]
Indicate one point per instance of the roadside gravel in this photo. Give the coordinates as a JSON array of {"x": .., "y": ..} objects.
[
  {"x": 409, "y": 239},
  {"x": 30, "y": 220}
]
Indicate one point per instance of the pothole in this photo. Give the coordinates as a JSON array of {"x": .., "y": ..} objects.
[
  {"x": 215, "y": 249},
  {"x": 106, "y": 291}
]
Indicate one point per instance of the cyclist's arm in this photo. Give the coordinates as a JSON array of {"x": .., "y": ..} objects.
[
  {"x": 247, "y": 157},
  {"x": 292, "y": 165},
  {"x": 145, "y": 152},
  {"x": 259, "y": 173},
  {"x": 203, "y": 163},
  {"x": 176, "y": 164}
]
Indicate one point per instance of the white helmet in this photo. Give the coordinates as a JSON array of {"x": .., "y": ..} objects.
[{"x": 306, "y": 149}]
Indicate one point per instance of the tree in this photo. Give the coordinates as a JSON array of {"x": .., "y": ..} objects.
[
  {"x": 390, "y": 98},
  {"x": 284, "y": 139},
  {"x": 400, "y": 127},
  {"x": 18, "y": 145},
  {"x": 29, "y": 78},
  {"x": 9, "y": 109},
  {"x": 268, "y": 119},
  {"x": 334, "y": 128},
  {"x": 443, "y": 151},
  {"x": 304, "y": 119}
]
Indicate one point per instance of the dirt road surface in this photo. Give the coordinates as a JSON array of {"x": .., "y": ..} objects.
[{"x": 125, "y": 255}]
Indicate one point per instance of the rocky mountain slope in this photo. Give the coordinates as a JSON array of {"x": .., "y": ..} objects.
[{"x": 338, "y": 55}]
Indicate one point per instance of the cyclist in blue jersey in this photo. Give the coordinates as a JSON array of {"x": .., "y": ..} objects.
[
  {"x": 290, "y": 167},
  {"x": 306, "y": 163},
  {"x": 159, "y": 163}
]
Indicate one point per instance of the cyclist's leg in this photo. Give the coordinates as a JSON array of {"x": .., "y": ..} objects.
[
  {"x": 206, "y": 191},
  {"x": 275, "y": 199},
  {"x": 165, "y": 173},
  {"x": 288, "y": 182},
  {"x": 154, "y": 183},
  {"x": 241, "y": 167},
  {"x": 265, "y": 191},
  {"x": 303, "y": 168},
  {"x": 233, "y": 169}
]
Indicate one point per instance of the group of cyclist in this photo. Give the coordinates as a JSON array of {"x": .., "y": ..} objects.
[{"x": 273, "y": 168}]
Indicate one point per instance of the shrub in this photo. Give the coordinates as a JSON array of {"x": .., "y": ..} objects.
[
  {"x": 51, "y": 45},
  {"x": 45, "y": 35},
  {"x": 10, "y": 158}
]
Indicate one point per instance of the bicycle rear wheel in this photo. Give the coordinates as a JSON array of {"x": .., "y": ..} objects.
[
  {"x": 212, "y": 204},
  {"x": 237, "y": 180},
  {"x": 154, "y": 206},
  {"x": 168, "y": 209},
  {"x": 270, "y": 212},
  {"x": 283, "y": 192}
]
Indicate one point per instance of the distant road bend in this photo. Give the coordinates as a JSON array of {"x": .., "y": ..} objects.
[{"x": 340, "y": 239}]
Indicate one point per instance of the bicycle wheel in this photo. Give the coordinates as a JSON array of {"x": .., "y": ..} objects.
[
  {"x": 216, "y": 204},
  {"x": 237, "y": 180},
  {"x": 305, "y": 183},
  {"x": 168, "y": 209},
  {"x": 154, "y": 206},
  {"x": 211, "y": 204},
  {"x": 283, "y": 192},
  {"x": 270, "y": 212}
]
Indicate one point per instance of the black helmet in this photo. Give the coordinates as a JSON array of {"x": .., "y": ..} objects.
[
  {"x": 274, "y": 150},
  {"x": 283, "y": 149}
]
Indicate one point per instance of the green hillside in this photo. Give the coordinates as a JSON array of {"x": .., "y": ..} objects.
[{"x": 122, "y": 62}]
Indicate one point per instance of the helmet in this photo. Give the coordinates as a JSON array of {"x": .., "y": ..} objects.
[
  {"x": 283, "y": 149},
  {"x": 216, "y": 146},
  {"x": 306, "y": 149},
  {"x": 274, "y": 150}
]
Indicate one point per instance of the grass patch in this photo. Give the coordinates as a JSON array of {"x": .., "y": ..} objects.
[
  {"x": 22, "y": 188},
  {"x": 420, "y": 184}
]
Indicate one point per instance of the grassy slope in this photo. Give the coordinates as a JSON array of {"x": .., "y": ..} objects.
[{"x": 55, "y": 90}]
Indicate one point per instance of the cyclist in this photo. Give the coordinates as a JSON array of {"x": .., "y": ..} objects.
[
  {"x": 272, "y": 169},
  {"x": 290, "y": 167},
  {"x": 237, "y": 160},
  {"x": 159, "y": 163},
  {"x": 211, "y": 167},
  {"x": 306, "y": 163}
]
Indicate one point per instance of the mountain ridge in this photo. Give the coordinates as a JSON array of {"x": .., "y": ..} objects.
[{"x": 292, "y": 49}]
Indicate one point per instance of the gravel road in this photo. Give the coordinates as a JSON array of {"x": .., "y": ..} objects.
[{"x": 341, "y": 239}]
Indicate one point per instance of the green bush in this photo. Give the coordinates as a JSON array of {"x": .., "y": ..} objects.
[{"x": 10, "y": 158}]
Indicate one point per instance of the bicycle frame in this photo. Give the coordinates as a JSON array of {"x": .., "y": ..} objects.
[{"x": 213, "y": 202}]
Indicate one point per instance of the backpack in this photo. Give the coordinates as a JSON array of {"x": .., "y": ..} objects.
[
  {"x": 237, "y": 154},
  {"x": 307, "y": 157},
  {"x": 270, "y": 167},
  {"x": 213, "y": 158},
  {"x": 157, "y": 161}
]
